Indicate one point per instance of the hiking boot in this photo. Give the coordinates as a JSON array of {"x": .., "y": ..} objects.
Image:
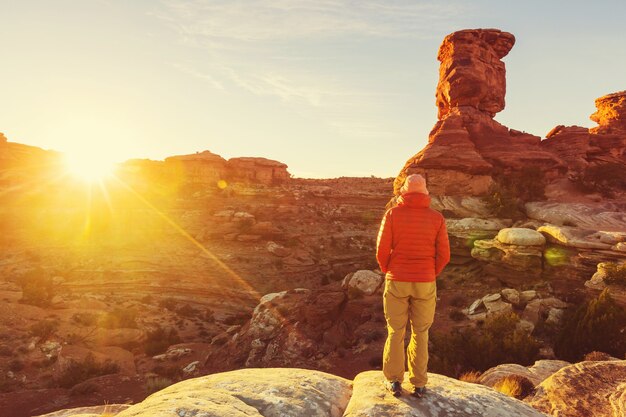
[
  {"x": 394, "y": 387},
  {"x": 418, "y": 392}
]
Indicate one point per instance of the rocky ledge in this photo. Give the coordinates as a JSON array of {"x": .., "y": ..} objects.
[{"x": 283, "y": 392}]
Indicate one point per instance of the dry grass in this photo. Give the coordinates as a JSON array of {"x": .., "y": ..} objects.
[
  {"x": 471, "y": 376},
  {"x": 515, "y": 386}
]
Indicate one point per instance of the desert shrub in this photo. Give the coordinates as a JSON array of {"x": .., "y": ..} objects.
[
  {"x": 615, "y": 274},
  {"x": 168, "y": 303},
  {"x": 44, "y": 362},
  {"x": 84, "y": 388},
  {"x": 119, "y": 318},
  {"x": 147, "y": 299},
  {"x": 170, "y": 372},
  {"x": 245, "y": 224},
  {"x": 159, "y": 339},
  {"x": 235, "y": 319},
  {"x": 44, "y": 329},
  {"x": 516, "y": 386},
  {"x": 507, "y": 196},
  {"x": 209, "y": 316},
  {"x": 500, "y": 201},
  {"x": 157, "y": 384},
  {"x": 187, "y": 311},
  {"x": 456, "y": 315},
  {"x": 85, "y": 319},
  {"x": 37, "y": 287},
  {"x": 8, "y": 384},
  {"x": 376, "y": 361},
  {"x": 597, "y": 356},
  {"x": 458, "y": 301},
  {"x": 498, "y": 341},
  {"x": 597, "y": 325},
  {"x": 355, "y": 293},
  {"x": 373, "y": 336},
  {"x": 16, "y": 365},
  {"x": 603, "y": 178},
  {"x": 470, "y": 376},
  {"x": 79, "y": 371}
]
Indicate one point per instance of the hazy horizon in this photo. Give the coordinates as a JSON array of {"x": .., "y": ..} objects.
[{"x": 331, "y": 88}]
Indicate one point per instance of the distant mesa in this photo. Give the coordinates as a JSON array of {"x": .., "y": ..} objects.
[{"x": 208, "y": 167}]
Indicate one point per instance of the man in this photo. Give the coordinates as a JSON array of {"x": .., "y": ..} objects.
[{"x": 412, "y": 249}]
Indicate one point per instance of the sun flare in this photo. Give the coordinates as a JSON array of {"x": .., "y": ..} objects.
[{"x": 89, "y": 166}]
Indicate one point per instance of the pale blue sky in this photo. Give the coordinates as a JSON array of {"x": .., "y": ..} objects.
[{"x": 329, "y": 87}]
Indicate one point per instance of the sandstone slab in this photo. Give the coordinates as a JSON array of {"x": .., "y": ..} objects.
[
  {"x": 521, "y": 236},
  {"x": 445, "y": 397},
  {"x": 278, "y": 392},
  {"x": 584, "y": 389}
]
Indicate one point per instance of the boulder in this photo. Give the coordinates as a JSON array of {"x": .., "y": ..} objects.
[
  {"x": 477, "y": 306},
  {"x": 367, "y": 282},
  {"x": 583, "y": 389},
  {"x": 536, "y": 373},
  {"x": 277, "y": 250},
  {"x": 521, "y": 237},
  {"x": 574, "y": 237},
  {"x": 446, "y": 397},
  {"x": 527, "y": 259},
  {"x": 526, "y": 296},
  {"x": 511, "y": 295},
  {"x": 273, "y": 392}
]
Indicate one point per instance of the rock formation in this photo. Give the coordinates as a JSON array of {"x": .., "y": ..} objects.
[
  {"x": 584, "y": 389},
  {"x": 467, "y": 150},
  {"x": 288, "y": 392}
]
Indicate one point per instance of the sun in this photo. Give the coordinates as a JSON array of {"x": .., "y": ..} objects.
[{"x": 89, "y": 165}]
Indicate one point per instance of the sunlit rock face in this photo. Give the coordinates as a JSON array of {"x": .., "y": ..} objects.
[
  {"x": 467, "y": 149},
  {"x": 611, "y": 113},
  {"x": 471, "y": 71},
  {"x": 598, "y": 389}
]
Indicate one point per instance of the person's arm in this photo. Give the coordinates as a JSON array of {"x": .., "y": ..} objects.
[
  {"x": 383, "y": 243},
  {"x": 442, "y": 256}
]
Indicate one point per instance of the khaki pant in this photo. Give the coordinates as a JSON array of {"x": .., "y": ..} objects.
[{"x": 403, "y": 301}]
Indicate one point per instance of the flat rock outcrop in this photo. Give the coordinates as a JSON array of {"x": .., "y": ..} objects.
[
  {"x": 250, "y": 392},
  {"x": 292, "y": 392},
  {"x": 584, "y": 389},
  {"x": 445, "y": 397}
]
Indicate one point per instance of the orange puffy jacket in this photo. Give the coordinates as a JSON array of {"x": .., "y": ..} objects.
[{"x": 412, "y": 241}]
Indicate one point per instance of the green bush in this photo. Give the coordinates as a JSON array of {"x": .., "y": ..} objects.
[
  {"x": 79, "y": 371},
  {"x": 598, "y": 325},
  {"x": 506, "y": 197},
  {"x": 498, "y": 341},
  {"x": 159, "y": 339}
]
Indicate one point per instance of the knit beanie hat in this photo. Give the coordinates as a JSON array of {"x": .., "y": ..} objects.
[{"x": 414, "y": 183}]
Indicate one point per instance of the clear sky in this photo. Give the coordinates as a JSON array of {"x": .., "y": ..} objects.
[{"x": 329, "y": 87}]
